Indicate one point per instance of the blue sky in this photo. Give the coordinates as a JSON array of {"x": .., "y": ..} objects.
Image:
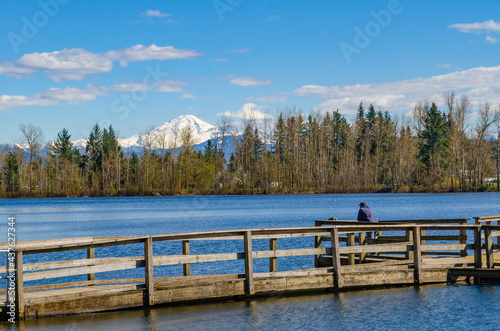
[{"x": 135, "y": 64}]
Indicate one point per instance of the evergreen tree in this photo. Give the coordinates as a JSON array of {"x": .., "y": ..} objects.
[{"x": 433, "y": 146}]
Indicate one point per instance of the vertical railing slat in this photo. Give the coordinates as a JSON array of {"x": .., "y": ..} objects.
[
  {"x": 417, "y": 255},
  {"x": 337, "y": 276},
  {"x": 186, "y": 267},
  {"x": 148, "y": 266},
  {"x": 247, "y": 239}
]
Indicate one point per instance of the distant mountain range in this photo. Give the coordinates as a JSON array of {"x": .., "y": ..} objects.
[{"x": 170, "y": 131}]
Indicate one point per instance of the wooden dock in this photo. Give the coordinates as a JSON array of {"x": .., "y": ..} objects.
[{"x": 41, "y": 283}]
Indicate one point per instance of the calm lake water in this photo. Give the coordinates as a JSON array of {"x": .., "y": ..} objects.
[{"x": 427, "y": 307}]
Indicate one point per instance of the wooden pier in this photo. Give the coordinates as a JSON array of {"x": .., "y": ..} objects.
[{"x": 337, "y": 253}]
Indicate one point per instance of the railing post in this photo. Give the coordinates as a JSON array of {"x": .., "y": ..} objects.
[
  {"x": 409, "y": 238},
  {"x": 148, "y": 266},
  {"x": 362, "y": 241},
  {"x": 19, "y": 285},
  {"x": 247, "y": 239},
  {"x": 90, "y": 255},
  {"x": 186, "y": 267},
  {"x": 337, "y": 276},
  {"x": 417, "y": 255},
  {"x": 317, "y": 244},
  {"x": 463, "y": 241},
  {"x": 351, "y": 242},
  {"x": 488, "y": 244},
  {"x": 477, "y": 247},
  {"x": 273, "y": 261}
]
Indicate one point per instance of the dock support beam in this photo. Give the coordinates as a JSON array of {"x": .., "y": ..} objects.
[
  {"x": 247, "y": 239},
  {"x": 148, "y": 266},
  {"x": 19, "y": 285},
  {"x": 337, "y": 279},
  {"x": 417, "y": 255},
  {"x": 186, "y": 267}
]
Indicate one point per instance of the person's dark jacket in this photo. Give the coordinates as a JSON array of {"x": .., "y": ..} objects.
[{"x": 366, "y": 214}]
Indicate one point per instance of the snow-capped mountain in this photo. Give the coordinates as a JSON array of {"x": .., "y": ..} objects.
[{"x": 170, "y": 133}]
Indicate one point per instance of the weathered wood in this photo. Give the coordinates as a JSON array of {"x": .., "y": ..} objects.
[
  {"x": 417, "y": 255},
  {"x": 186, "y": 268},
  {"x": 362, "y": 242},
  {"x": 488, "y": 245},
  {"x": 90, "y": 255},
  {"x": 80, "y": 262},
  {"x": 350, "y": 242},
  {"x": 409, "y": 238},
  {"x": 337, "y": 276},
  {"x": 19, "y": 279},
  {"x": 317, "y": 244},
  {"x": 273, "y": 261},
  {"x": 148, "y": 271},
  {"x": 82, "y": 270},
  {"x": 477, "y": 247},
  {"x": 249, "y": 285}
]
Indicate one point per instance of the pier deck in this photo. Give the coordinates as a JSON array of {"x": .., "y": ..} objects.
[{"x": 134, "y": 272}]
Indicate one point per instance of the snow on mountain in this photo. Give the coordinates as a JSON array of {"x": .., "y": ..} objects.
[{"x": 171, "y": 131}]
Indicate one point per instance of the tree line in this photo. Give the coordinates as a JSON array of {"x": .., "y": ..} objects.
[{"x": 432, "y": 150}]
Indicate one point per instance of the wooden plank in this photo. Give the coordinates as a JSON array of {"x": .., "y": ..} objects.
[
  {"x": 273, "y": 261},
  {"x": 182, "y": 259},
  {"x": 247, "y": 240},
  {"x": 446, "y": 247},
  {"x": 335, "y": 251},
  {"x": 186, "y": 268},
  {"x": 380, "y": 248},
  {"x": 289, "y": 252},
  {"x": 82, "y": 270},
  {"x": 417, "y": 256},
  {"x": 463, "y": 241},
  {"x": 148, "y": 271},
  {"x": 80, "y": 262}
]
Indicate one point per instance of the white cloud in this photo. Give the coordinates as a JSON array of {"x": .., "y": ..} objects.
[
  {"x": 482, "y": 83},
  {"x": 444, "y": 65},
  {"x": 127, "y": 87},
  {"x": 50, "y": 97},
  {"x": 153, "y": 52},
  {"x": 189, "y": 96},
  {"x": 171, "y": 86},
  {"x": 239, "y": 50},
  {"x": 272, "y": 98},
  {"x": 223, "y": 59},
  {"x": 247, "y": 81},
  {"x": 272, "y": 18},
  {"x": 76, "y": 63},
  {"x": 491, "y": 40},
  {"x": 478, "y": 27},
  {"x": 248, "y": 111},
  {"x": 154, "y": 13}
]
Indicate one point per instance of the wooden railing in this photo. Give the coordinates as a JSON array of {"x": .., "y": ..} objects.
[{"x": 346, "y": 247}]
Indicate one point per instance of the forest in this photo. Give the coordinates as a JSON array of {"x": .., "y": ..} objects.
[{"x": 450, "y": 150}]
